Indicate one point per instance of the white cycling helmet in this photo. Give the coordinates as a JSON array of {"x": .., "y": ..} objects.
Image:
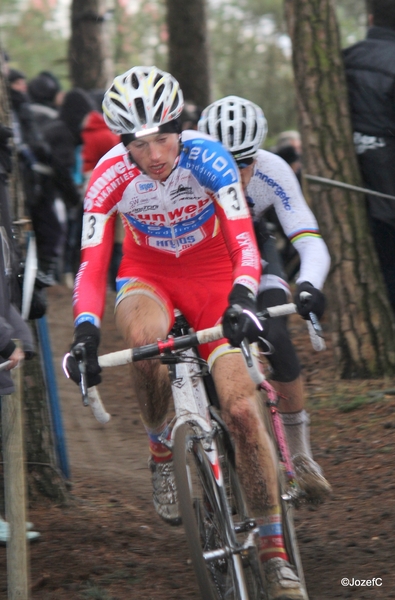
[
  {"x": 236, "y": 122},
  {"x": 142, "y": 101}
]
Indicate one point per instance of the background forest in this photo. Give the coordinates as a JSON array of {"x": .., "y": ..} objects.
[
  {"x": 249, "y": 49},
  {"x": 243, "y": 47}
]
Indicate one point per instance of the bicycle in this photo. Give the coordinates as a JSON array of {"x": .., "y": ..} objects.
[{"x": 221, "y": 537}]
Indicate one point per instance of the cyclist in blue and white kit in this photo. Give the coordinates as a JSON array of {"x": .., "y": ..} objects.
[{"x": 268, "y": 181}]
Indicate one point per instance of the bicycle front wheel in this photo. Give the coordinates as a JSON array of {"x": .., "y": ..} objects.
[{"x": 207, "y": 520}]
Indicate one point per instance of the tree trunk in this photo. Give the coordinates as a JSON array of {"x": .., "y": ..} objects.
[
  {"x": 89, "y": 52},
  {"x": 362, "y": 320},
  {"x": 188, "y": 48}
]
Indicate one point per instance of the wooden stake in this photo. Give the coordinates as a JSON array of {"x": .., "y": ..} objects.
[{"x": 14, "y": 490}]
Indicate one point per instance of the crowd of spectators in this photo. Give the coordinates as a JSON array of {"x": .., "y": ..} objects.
[{"x": 59, "y": 137}]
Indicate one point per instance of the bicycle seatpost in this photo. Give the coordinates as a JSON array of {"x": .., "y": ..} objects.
[{"x": 79, "y": 353}]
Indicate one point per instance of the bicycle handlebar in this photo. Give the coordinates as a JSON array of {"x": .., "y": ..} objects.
[
  {"x": 204, "y": 336},
  {"x": 212, "y": 334}
]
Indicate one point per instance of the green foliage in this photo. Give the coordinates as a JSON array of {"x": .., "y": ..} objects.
[
  {"x": 250, "y": 51},
  {"x": 352, "y": 16},
  {"x": 251, "y": 58},
  {"x": 140, "y": 37},
  {"x": 34, "y": 43}
]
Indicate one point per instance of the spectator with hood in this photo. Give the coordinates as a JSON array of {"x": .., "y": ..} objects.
[
  {"x": 46, "y": 96},
  {"x": 64, "y": 137},
  {"x": 79, "y": 137}
]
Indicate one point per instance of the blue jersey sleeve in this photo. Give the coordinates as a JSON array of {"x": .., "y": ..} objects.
[{"x": 209, "y": 162}]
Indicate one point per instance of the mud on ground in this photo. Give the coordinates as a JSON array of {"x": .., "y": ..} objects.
[{"x": 108, "y": 543}]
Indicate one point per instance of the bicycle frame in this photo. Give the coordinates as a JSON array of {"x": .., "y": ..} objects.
[
  {"x": 278, "y": 429},
  {"x": 191, "y": 405},
  {"x": 189, "y": 394}
]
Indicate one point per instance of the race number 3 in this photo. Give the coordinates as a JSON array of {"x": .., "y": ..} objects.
[
  {"x": 231, "y": 199},
  {"x": 92, "y": 229}
]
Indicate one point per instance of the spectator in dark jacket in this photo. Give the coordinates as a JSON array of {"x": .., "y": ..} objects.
[
  {"x": 370, "y": 73},
  {"x": 64, "y": 137},
  {"x": 46, "y": 96},
  {"x": 39, "y": 170}
]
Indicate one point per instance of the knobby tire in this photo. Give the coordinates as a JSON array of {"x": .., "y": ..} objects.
[{"x": 208, "y": 526}]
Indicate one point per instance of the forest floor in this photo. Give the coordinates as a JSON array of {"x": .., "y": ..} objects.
[{"x": 107, "y": 543}]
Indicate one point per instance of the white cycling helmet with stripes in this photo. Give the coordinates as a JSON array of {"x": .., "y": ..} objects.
[
  {"x": 238, "y": 123},
  {"x": 142, "y": 101}
]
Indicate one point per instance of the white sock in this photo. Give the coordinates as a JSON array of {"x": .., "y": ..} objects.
[{"x": 297, "y": 429}]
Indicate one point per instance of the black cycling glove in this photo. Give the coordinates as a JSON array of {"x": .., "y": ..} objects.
[
  {"x": 239, "y": 320},
  {"x": 88, "y": 335},
  {"x": 309, "y": 299}
]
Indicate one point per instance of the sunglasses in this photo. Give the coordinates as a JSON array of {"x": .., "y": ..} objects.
[{"x": 244, "y": 162}]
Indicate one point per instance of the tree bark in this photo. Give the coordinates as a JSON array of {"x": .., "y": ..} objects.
[
  {"x": 89, "y": 55},
  {"x": 188, "y": 48},
  {"x": 362, "y": 320}
]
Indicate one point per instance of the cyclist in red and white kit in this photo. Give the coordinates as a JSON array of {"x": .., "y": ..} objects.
[
  {"x": 268, "y": 181},
  {"x": 189, "y": 244}
]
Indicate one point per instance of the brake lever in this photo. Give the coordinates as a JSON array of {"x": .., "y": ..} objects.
[
  {"x": 79, "y": 353},
  {"x": 246, "y": 351},
  {"x": 314, "y": 327},
  {"x": 316, "y": 324},
  {"x": 312, "y": 316}
]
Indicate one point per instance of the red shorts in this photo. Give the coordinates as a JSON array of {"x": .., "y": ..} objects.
[{"x": 197, "y": 284}]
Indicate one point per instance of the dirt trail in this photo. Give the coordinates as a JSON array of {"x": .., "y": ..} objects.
[{"x": 108, "y": 544}]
